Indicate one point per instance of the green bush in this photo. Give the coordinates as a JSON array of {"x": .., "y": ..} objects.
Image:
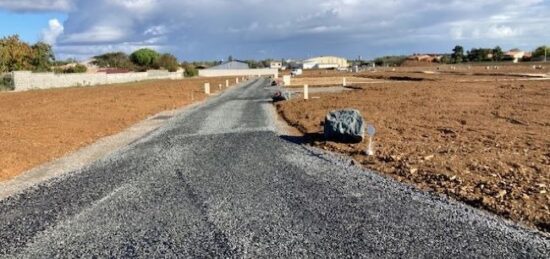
[
  {"x": 114, "y": 60},
  {"x": 5, "y": 83},
  {"x": 168, "y": 62},
  {"x": 390, "y": 61},
  {"x": 78, "y": 68},
  {"x": 190, "y": 70}
]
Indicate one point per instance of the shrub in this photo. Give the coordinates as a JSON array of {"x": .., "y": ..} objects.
[
  {"x": 5, "y": 83},
  {"x": 391, "y": 61},
  {"x": 168, "y": 62},
  {"x": 114, "y": 60},
  {"x": 144, "y": 57},
  {"x": 190, "y": 70},
  {"x": 78, "y": 68}
]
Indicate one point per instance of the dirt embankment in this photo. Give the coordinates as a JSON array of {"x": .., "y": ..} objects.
[
  {"x": 40, "y": 126},
  {"x": 487, "y": 144}
]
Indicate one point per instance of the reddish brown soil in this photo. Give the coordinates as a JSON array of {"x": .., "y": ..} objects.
[
  {"x": 484, "y": 143},
  {"x": 40, "y": 126}
]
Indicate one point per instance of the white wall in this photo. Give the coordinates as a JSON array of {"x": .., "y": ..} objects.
[
  {"x": 239, "y": 72},
  {"x": 26, "y": 80}
]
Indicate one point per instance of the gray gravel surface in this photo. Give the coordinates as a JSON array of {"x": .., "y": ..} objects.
[{"x": 219, "y": 181}]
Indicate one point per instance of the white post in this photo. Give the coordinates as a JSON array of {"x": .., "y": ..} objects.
[
  {"x": 220, "y": 86},
  {"x": 237, "y": 80},
  {"x": 207, "y": 88},
  {"x": 226, "y": 83},
  {"x": 306, "y": 92},
  {"x": 370, "y": 150},
  {"x": 344, "y": 81},
  {"x": 286, "y": 80}
]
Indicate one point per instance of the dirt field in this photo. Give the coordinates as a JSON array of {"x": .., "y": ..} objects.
[
  {"x": 40, "y": 126},
  {"x": 331, "y": 81},
  {"x": 464, "y": 73},
  {"x": 484, "y": 143}
]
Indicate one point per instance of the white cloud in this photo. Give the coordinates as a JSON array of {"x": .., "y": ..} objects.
[
  {"x": 36, "y": 5},
  {"x": 503, "y": 31},
  {"x": 54, "y": 30},
  {"x": 156, "y": 30},
  {"x": 457, "y": 33},
  {"x": 209, "y": 29},
  {"x": 96, "y": 34}
]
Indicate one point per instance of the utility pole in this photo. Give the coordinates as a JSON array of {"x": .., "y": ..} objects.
[{"x": 545, "y": 51}]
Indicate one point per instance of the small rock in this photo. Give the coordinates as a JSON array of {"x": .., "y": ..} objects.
[
  {"x": 428, "y": 158},
  {"x": 413, "y": 170}
]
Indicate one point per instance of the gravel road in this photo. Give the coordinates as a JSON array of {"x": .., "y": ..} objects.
[{"x": 219, "y": 181}]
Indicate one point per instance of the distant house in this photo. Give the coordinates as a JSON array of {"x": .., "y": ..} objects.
[
  {"x": 276, "y": 64},
  {"x": 425, "y": 57},
  {"x": 230, "y": 65},
  {"x": 516, "y": 55}
]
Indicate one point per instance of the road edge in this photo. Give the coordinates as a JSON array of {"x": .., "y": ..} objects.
[{"x": 100, "y": 149}]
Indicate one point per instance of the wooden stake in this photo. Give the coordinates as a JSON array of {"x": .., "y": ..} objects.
[{"x": 207, "y": 88}]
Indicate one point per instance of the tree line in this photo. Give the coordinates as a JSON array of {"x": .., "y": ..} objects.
[
  {"x": 486, "y": 54},
  {"x": 140, "y": 60},
  {"x": 39, "y": 57},
  {"x": 460, "y": 55},
  {"x": 18, "y": 55}
]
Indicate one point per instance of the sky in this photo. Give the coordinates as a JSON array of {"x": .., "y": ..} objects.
[{"x": 259, "y": 29}]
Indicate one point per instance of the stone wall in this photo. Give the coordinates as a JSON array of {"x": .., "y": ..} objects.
[
  {"x": 239, "y": 72},
  {"x": 26, "y": 80}
]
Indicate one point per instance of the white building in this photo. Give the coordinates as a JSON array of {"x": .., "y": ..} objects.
[
  {"x": 325, "y": 62},
  {"x": 276, "y": 65}
]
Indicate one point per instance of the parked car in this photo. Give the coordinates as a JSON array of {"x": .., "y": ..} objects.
[{"x": 296, "y": 72}]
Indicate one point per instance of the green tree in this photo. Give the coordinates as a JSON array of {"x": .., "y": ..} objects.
[
  {"x": 458, "y": 54},
  {"x": 391, "y": 61},
  {"x": 144, "y": 57},
  {"x": 478, "y": 55},
  {"x": 114, "y": 60},
  {"x": 14, "y": 54},
  {"x": 498, "y": 54},
  {"x": 253, "y": 63},
  {"x": 42, "y": 57},
  {"x": 539, "y": 52},
  {"x": 445, "y": 59},
  {"x": 18, "y": 55},
  {"x": 168, "y": 62}
]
